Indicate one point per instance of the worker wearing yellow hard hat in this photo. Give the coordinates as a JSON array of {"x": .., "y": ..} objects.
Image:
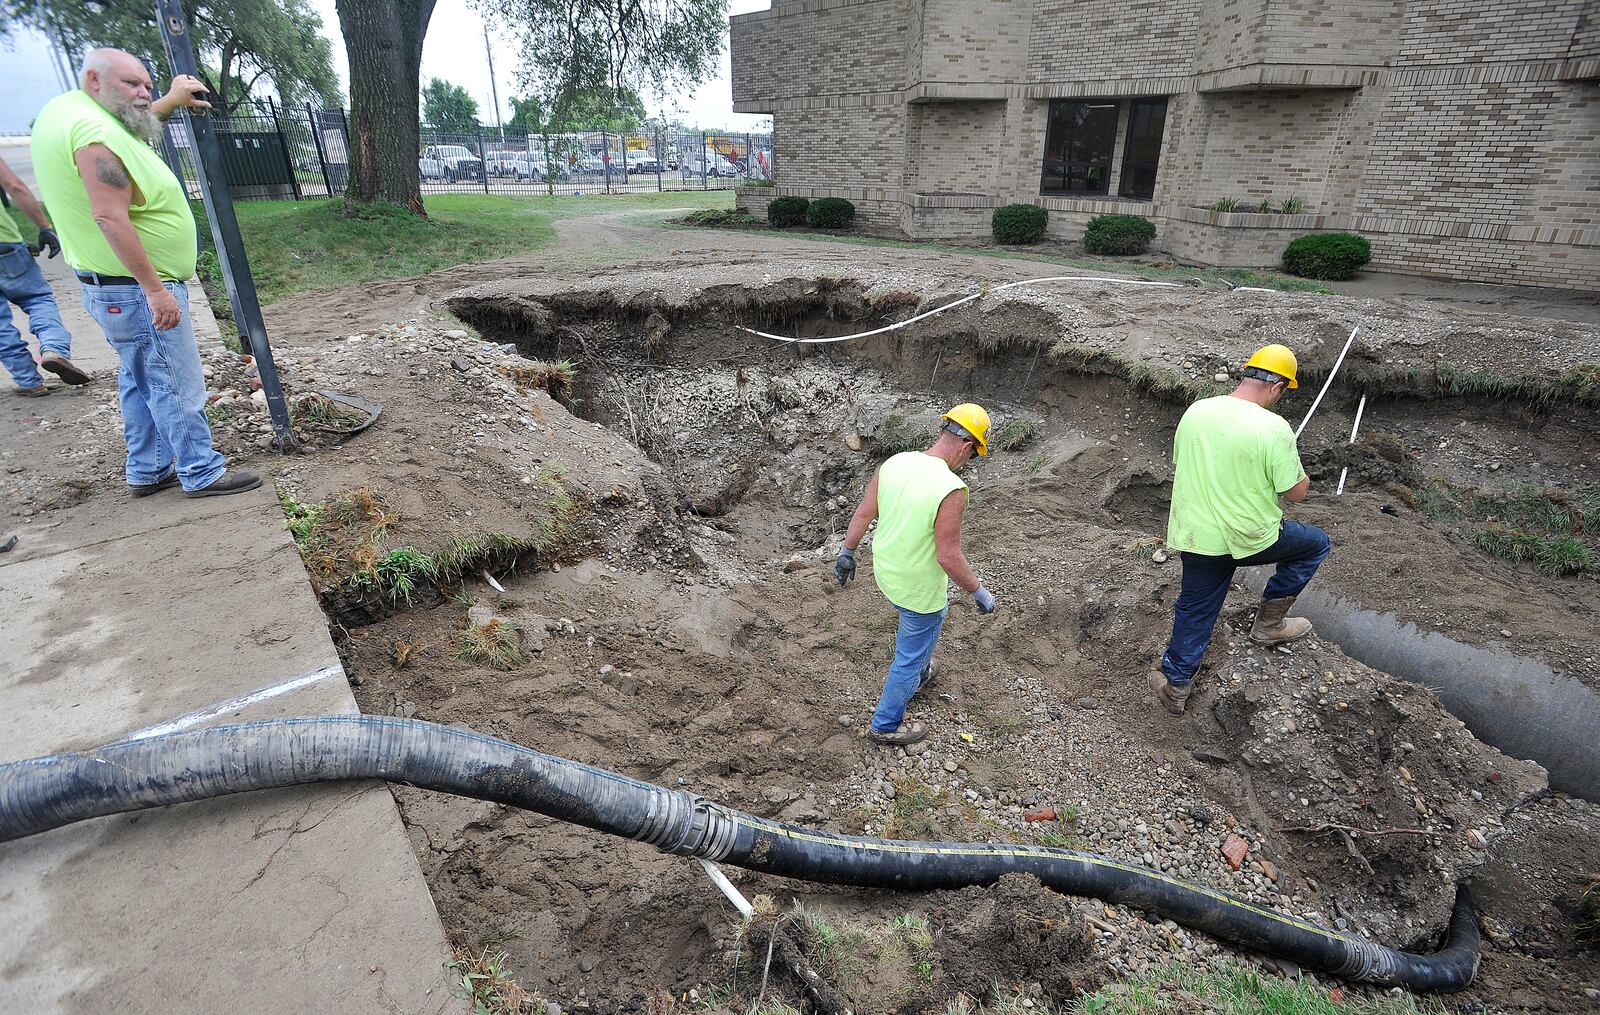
[
  {"x": 1234, "y": 458},
  {"x": 918, "y": 501}
]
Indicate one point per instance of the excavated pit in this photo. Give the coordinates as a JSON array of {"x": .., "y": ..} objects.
[
  {"x": 700, "y": 641},
  {"x": 1516, "y": 703}
]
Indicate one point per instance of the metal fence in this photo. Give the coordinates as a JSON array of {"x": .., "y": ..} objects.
[{"x": 277, "y": 152}]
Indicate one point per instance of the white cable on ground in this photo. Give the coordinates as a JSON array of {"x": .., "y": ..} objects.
[
  {"x": 1360, "y": 407},
  {"x": 1329, "y": 382},
  {"x": 720, "y": 879},
  {"x": 965, "y": 299}
]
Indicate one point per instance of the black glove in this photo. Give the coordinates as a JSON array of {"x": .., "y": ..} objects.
[
  {"x": 844, "y": 568},
  {"x": 48, "y": 241}
]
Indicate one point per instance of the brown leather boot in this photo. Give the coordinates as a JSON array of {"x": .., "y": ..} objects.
[
  {"x": 1171, "y": 696},
  {"x": 1274, "y": 627}
]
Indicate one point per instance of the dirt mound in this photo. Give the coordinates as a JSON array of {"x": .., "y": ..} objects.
[{"x": 1012, "y": 936}]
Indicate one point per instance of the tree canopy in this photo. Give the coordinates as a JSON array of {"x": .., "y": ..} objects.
[
  {"x": 449, "y": 107},
  {"x": 238, "y": 43},
  {"x": 595, "y": 57},
  {"x": 588, "y": 110}
]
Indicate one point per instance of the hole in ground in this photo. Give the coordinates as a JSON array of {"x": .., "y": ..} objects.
[{"x": 737, "y": 685}]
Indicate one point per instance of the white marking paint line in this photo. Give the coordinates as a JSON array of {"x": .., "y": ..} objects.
[{"x": 234, "y": 704}]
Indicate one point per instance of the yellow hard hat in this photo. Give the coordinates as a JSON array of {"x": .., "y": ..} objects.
[
  {"x": 974, "y": 419},
  {"x": 1276, "y": 359}
]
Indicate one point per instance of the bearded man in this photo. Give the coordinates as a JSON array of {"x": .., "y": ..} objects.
[{"x": 127, "y": 231}]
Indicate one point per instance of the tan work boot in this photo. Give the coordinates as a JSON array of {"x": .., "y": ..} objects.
[
  {"x": 1171, "y": 696},
  {"x": 1274, "y": 627}
]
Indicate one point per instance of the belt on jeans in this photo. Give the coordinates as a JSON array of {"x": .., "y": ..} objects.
[{"x": 95, "y": 278}]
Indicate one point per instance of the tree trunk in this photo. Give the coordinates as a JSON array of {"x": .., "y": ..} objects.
[{"x": 383, "y": 39}]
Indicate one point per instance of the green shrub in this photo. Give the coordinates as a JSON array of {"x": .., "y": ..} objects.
[
  {"x": 830, "y": 213},
  {"x": 1331, "y": 256},
  {"x": 784, "y": 212},
  {"x": 1118, "y": 234},
  {"x": 1018, "y": 223}
]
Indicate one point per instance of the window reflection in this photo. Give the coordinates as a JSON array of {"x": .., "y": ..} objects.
[
  {"x": 1077, "y": 152},
  {"x": 1141, "y": 150}
]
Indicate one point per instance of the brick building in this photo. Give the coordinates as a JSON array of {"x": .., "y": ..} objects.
[{"x": 1462, "y": 137}]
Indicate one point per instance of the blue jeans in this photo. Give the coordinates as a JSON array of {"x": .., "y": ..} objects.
[
  {"x": 161, "y": 384},
  {"x": 913, "y": 652},
  {"x": 22, "y": 283},
  {"x": 1299, "y": 551}
]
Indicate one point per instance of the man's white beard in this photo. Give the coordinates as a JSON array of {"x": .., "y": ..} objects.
[{"x": 142, "y": 121}]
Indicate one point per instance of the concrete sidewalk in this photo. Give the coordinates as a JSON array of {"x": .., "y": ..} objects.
[{"x": 123, "y": 614}]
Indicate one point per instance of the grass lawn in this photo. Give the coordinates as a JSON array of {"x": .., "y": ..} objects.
[
  {"x": 295, "y": 246},
  {"x": 1234, "y": 989}
]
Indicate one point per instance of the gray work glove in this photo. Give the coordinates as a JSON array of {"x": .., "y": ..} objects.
[
  {"x": 48, "y": 241},
  {"x": 985, "y": 600},
  {"x": 844, "y": 568}
]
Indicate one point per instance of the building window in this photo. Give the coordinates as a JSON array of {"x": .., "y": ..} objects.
[
  {"x": 1141, "y": 150},
  {"x": 1077, "y": 148}
]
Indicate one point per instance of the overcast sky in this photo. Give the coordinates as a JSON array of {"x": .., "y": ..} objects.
[{"x": 454, "y": 50}]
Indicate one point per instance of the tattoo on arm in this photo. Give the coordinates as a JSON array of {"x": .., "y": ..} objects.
[{"x": 109, "y": 171}]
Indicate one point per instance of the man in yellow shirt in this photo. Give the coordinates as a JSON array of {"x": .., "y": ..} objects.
[
  {"x": 1234, "y": 458},
  {"x": 918, "y": 501},
  {"x": 127, "y": 232}
]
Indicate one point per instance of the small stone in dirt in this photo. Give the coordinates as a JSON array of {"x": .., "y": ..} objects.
[
  {"x": 844, "y": 720},
  {"x": 950, "y": 765},
  {"x": 478, "y": 616},
  {"x": 1201, "y": 815},
  {"x": 460, "y": 364},
  {"x": 1220, "y": 375},
  {"x": 1088, "y": 703},
  {"x": 1269, "y": 870},
  {"x": 1234, "y": 850},
  {"x": 586, "y": 966},
  {"x": 1504, "y": 633},
  {"x": 1159, "y": 555},
  {"x": 456, "y": 333}
]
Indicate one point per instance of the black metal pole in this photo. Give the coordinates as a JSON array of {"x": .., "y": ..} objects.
[
  {"x": 705, "y": 161},
  {"x": 483, "y": 158},
  {"x": 661, "y": 156},
  {"x": 316, "y": 138},
  {"x": 283, "y": 144},
  {"x": 225, "y": 226},
  {"x": 605, "y": 156}
]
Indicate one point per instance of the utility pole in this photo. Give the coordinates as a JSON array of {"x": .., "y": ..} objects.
[
  {"x": 225, "y": 226},
  {"x": 61, "y": 57},
  {"x": 494, "y": 90}
]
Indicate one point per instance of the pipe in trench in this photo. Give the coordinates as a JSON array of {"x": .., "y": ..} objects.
[
  {"x": 40, "y": 794},
  {"x": 1513, "y": 703}
]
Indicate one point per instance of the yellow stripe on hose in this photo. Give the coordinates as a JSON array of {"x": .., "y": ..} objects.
[{"x": 997, "y": 850}]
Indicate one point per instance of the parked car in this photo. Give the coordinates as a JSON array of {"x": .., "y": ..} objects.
[
  {"x": 500, "y": 162},
  {"x": 709, "y": 164},
  {"x": 643, "y": 162},
  {"x": 450, "y": 163}
]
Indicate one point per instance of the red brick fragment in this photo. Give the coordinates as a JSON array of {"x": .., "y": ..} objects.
[
  {"x": 1234, "y": 850},
  {"x": 1043, "y": 814}
]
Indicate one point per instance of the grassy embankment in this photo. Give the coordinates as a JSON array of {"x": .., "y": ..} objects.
[{"x": 297, "y": 246}]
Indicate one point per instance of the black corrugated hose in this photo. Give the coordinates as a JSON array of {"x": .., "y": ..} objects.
[{"x": 44, "y": 793}]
